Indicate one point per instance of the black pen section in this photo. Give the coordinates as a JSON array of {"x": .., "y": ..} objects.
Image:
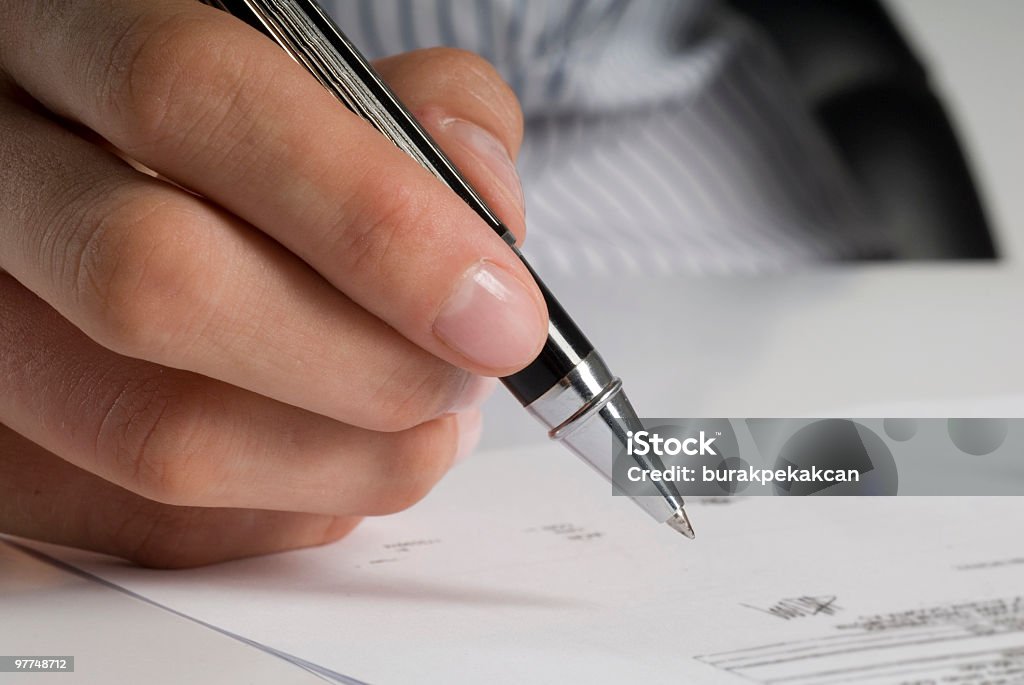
[{"x": 565, "y": 347}]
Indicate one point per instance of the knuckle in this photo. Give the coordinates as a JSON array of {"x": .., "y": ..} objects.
[
  {"x": 129, "y": 66},
  {"x": 162, "y": 541},
  {"x": 456, "y": 59},
  {"x": 473, "y": 72},
  {"x": 154, "y": 437},
  {"x": 158, "y": 554},
  {"x": 154, "y": 72},
  {"x": 415, "y": 392},
  {"x": 139, "y": 275},
  {"x": 418, "y": 461},
  {"x": 372, "y": 225}
]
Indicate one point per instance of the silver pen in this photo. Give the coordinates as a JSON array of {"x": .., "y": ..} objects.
[{"x": 568, "y": 387}]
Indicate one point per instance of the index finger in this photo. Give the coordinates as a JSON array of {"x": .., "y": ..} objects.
[{"x": 212, "y": 104}]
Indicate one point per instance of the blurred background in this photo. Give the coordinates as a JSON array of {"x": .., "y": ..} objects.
[
  {"x": 745, "y": 136},
  {"x": 925, "y": 128},
  {"x": 970, "y": 49}
]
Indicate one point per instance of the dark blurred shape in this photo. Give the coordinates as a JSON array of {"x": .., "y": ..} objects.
[
  {"x": 872, "y": 97},
  {"x": 838, "y": 444}
]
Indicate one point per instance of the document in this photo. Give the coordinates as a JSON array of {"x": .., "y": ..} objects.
[
  {"x": 62, "y": 617},
  {"x": 521, "y": 567}
]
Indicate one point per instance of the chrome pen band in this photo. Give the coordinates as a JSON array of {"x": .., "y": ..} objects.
[
  {"x": 584, "y": 411},
  {"x": 593, "y": 406},
  {"x": 579, "y": 388}
]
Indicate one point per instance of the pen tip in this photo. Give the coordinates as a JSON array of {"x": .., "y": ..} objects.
[{"x": 681, "y": 522}]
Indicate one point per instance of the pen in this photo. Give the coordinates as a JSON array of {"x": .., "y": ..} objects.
[{"x": 567, "y": 387}]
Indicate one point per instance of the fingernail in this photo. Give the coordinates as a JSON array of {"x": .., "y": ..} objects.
[
  {"x": 491, "y": 152},
  {"x": 474, "y": 393},
  {"x": 491, "y": 318},
  {"x": 470, "y": 425}
]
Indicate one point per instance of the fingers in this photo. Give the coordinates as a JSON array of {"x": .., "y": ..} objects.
[
  {"x": 184, "y": 439},
  {"x": 156, "y": 273},
  {"x": 472, "y": 114},
  {"x": 213, "y": 105},
  {"x": 45, "y": 498}
]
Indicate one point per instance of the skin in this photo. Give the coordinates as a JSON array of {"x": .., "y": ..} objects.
[{"x": 226, "y": 319}]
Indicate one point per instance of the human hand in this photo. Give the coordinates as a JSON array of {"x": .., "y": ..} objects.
[{"x": 284, "y": 331}]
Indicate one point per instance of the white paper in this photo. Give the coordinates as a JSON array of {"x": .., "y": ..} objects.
[{"x": 521, "y": 567}]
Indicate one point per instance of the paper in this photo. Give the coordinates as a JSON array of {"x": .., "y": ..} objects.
[
  {"x": 521, "y": 567},
  {"x": 103, "y": 636}
]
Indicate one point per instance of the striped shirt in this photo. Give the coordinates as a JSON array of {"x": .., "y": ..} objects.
[{"x": 662, "y": 135}]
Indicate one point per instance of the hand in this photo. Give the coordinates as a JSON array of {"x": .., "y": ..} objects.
[{"x": 280, "y": 329}]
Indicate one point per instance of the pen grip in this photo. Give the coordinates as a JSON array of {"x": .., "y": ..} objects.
[{"x": 313, "y": 40}]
